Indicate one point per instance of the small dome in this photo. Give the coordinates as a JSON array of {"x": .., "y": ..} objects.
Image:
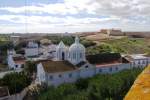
[{"x": 77, "y": 46}]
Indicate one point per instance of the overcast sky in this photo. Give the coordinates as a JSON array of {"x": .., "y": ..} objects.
[{"x": 73, "y": 15}]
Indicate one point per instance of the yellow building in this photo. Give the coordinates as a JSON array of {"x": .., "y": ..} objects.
[{"x": 140, "y": 90}]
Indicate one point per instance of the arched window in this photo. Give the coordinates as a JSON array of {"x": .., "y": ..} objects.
[
  {"x": 80, "y": 55},
  {"x": 74, "y": 55},
  {"x": 63, "y": 56},
  {"x": 70, "y": 75}
]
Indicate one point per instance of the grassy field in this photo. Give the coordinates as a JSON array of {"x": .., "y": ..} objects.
[
  {"x": 4, "y": 38},
  {"x": 130, "y": 45},
  {"x": 122, "y": 44},
  {"x": 101, "y": 37}
]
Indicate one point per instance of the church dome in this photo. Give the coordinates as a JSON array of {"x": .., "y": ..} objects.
[
  {"x": 76, "y": 52},
  {"x": 77, "y": 46}
]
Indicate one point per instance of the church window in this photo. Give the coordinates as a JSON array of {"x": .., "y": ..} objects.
[
  {"x": 70, "y": 75},
  {"x": 100, "y": 70},
  {"x": 143, "y": 62},
  {"x": 116, "y": 68},
  {"x": 110, "y": 69},
  {"x": 86, "y": 66},
  {"x": 63, "y": 55},
  {"x": 74, "y": 55},
  {"x": 51, "y": 77},
  {"x": 16, "y": 66},
  {"x": 59, "y": 75},
  {"x": 80, "y": 55},
  {"x": 139, "y": 62}
]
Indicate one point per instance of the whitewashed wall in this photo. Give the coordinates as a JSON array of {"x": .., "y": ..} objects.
[
  {"x": 31, "y": 52},
  {"x": 40, "y": 73},
  {"x": 12, "y": 64},
  {"x": 87, "y": 72},
  {"x": 10, "y": 61},
  {"x": 55, "y": 79},
  {"x": 140, "y": 62}
]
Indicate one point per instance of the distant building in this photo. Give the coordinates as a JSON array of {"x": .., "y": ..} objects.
[
  {"x": 105, "y": 31},
  {"x": 112, "y": 32},
  {"x": 15, "y": 39},
  {"x": 138, "y": 60},
  {"x": 32, "y": 49}
]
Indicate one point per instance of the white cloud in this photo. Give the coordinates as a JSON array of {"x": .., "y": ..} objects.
[
  {"x": 42, "y": 22},
  {"x": 119, "y": 13}
]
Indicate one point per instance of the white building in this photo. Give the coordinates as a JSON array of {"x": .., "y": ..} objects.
[
  {"x": 32, "y": 49},
  {"x": 138, "y": 60},
  {"x": 74, "y": 54},
  {"x": 70, "y": 64},
  {"x": 16, "y": 61},
  {"x": 68, "y": 60},
  {"x": 59, "y": 72}
]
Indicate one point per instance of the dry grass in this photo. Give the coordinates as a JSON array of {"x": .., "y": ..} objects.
[{"x": 97, "y": 38}]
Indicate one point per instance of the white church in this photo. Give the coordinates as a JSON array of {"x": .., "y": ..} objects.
[
  {"x": 74, "y": 54},
  {"x": 70, "y": 64},
  {"x": 66, "y": 66},
  {"x": 32, "y": 49}
]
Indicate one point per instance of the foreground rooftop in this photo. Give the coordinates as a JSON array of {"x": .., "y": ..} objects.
[
  {"x": 140, "y": 90},
  {"x": 57, "y": 66}
]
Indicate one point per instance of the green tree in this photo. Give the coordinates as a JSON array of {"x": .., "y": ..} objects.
[
  {"x": 30, "y": 67},
  {"x": 16, "y": 82}
]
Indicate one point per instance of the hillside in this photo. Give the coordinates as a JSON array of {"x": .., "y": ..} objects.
[
  {"x": 130, "y": 45},
  {"x": 123, "y": 45}
]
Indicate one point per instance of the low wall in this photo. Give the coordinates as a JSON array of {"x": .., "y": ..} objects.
[{"x": 18, "y": 96}]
